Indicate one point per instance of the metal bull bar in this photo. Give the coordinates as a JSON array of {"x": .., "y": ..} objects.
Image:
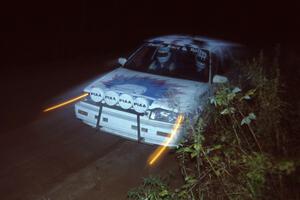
[{"x": 138, "y": 115}]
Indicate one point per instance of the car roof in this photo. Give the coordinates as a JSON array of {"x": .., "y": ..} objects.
[{"x": 193, "y": 41}]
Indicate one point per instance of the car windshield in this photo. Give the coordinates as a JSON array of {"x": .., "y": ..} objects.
[{"x": 172, "y": 61}]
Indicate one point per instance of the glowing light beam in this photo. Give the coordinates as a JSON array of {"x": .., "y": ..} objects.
[
  {"x": 66, "y": 102},
  {"x": 159, "y": 151}
]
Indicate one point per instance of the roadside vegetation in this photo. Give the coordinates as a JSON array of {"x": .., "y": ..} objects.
[{"x": 241, "y": 147}]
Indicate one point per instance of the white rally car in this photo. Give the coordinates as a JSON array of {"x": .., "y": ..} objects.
[{"x": 166, "y": 77}]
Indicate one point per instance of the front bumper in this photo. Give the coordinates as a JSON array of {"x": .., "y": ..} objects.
[{"x": 125, "y": 124}]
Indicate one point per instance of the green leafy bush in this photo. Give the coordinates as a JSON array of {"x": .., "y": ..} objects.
[
  {"x": 153, "y": 188},
  {"x": 238, "y": 148}
]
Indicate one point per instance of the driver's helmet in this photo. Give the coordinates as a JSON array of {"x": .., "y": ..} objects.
[
  {"x": 163, "y": 54},
  {"x": 201, "y": 60}
]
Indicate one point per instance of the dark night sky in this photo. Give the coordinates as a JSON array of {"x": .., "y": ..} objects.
[
  {"x": 35, "y": 30},
  {"x": 34, "y": 35}
]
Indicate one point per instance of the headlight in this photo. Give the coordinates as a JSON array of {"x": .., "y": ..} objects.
[{"x": 163, "y": 115}]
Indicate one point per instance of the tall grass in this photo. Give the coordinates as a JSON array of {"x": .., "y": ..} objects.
[{"x": 238, "y": 149}]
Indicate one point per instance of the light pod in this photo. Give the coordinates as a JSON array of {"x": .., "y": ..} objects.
[
  {"x": 125, "y": 101},
  {"x": 96, "y": 94},
  {"x": 111, "y": 98},
  {"x": 140, "y": 105}
]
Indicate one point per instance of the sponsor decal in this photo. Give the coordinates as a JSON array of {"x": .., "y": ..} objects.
[{"x": 96, "y": 94}]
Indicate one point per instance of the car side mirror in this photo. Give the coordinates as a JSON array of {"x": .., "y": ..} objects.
[
  {"x": 219, "y": 79},
  {"x": 122, "y": 61}
]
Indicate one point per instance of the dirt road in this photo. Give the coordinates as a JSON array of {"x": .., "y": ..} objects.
[{"x": 58, "y": 157}]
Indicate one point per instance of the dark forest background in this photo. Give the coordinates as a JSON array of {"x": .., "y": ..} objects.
[
  {"x": 48, "y": 47},
  {"x": 44, "y": 31}
]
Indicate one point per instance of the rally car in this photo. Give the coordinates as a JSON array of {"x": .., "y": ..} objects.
[{"x": 166, "y": 77}]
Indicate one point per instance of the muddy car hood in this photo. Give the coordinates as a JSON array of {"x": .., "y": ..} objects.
[{"x": 161, "y": 92}]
